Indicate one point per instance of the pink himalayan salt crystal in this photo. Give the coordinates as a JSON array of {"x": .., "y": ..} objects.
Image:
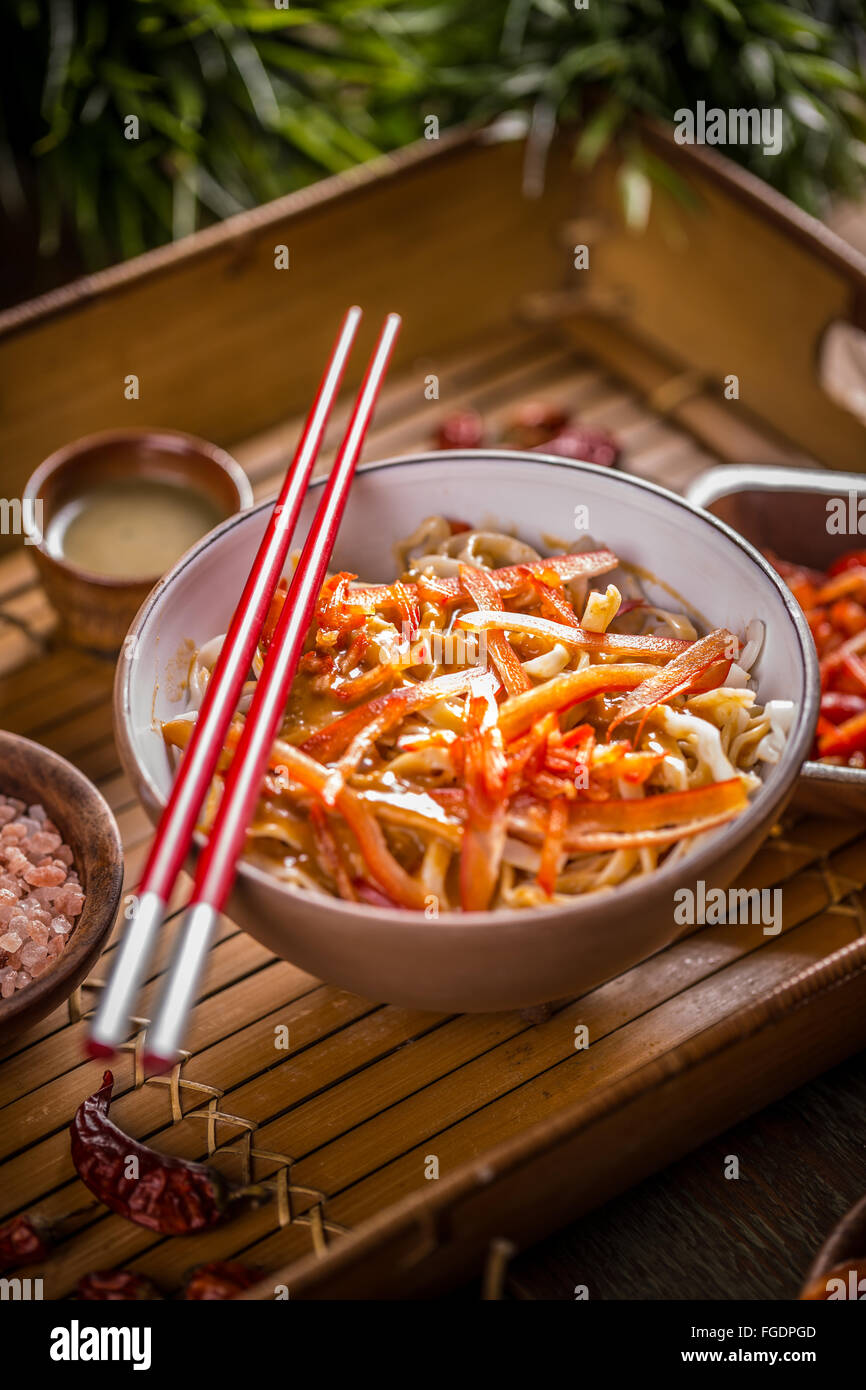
[
  {"x": 69, "y": 902},
  {"x": 31, "y": 953},
  {"x": 13, "y": 831},
  {"x": 43, "y": 874},
  {"x": 40, "y": 931},
  {"x": 40, "y": 894},
  {"x": 43, "y": 842}
]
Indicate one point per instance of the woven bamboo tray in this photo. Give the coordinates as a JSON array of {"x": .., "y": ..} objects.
[{"x": 528, "y": 1131}]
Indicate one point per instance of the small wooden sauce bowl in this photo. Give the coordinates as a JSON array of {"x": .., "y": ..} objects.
[
  {"x": 97, "y": 608},
  {"x": 33, "y": 774}
]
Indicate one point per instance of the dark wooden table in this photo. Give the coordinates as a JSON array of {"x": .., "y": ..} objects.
[{"x": 690, "y": 1232}]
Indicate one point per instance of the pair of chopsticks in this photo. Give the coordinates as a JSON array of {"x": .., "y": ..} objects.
[{"x": 217, "y": 864}]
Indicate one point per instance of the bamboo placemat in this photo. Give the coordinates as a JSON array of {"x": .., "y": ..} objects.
[{"x": 344, "y": 1124}]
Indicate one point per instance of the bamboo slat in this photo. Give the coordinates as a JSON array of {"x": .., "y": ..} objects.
[{"x": 342, "y": 1125}]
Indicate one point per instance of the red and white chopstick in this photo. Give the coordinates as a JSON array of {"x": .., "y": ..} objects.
[
  {"x": 110, "y": 1023},
  {"x": 217, "y": 865}
]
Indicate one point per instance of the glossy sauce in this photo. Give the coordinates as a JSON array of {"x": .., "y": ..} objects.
[{"x": 130, "y": 527}]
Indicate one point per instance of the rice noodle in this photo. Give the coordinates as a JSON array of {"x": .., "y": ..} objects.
[{"x": 440, "y": 790}]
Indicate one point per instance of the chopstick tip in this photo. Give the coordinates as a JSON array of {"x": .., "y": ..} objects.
[{"x": 154, "y": 1065}]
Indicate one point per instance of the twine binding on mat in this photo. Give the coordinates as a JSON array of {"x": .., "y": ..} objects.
[{"x": 241, "y": 1146}]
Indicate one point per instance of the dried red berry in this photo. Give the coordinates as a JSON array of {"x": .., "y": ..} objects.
[
  {"x": 220, "y": 1280},
  {"x": 534, "y": 423},
  {"x": 464, "y": 429},
  {"x": 116, "y": 1286},
  {"x": 585, "y": 442}
]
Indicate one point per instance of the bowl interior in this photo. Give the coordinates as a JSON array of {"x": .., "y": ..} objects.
[
  {"x": 683, "y": 558},
  {"x": 158, "y": 456}
]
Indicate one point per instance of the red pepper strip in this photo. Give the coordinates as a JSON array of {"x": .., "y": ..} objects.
[
  {"x": 830, "y": 663},
  {"x": 845, "y": 739},
  {"x": 595, "y": 841},
  {"x": 275, "y": 608},
  {"x": 568, "y": 688},
  {"x": 849, "y": 581},
  {"x": 481, "y": 590},
  {"x": 580, "y": 638},
  {"x": 171, "y": 1195},
  {"x": 704, "y": 665},
  {"x": 660, "y": 809},
  {"x": 328, "y": 852},
  {"x": 508, "y": 580},
  {"x": 836, "y": 706},
  {"x": 386, "y": 710},
  {"x": 390, "y": 876},
  {"x": 551, "y": 854},
  {"x": 528, "y": 750},
  {"x": 852, "y": 559},
  {"x": 581, "y": 733},
  {"x": 408, "y": 608},
  {"x": 677, "y": 810},
  {"x": 554, "y": 603},
  {"x": 485, "y": 769},
  {"x": 353, "y": 687}
]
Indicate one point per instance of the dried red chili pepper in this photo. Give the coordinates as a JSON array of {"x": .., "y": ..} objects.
[
  {"x": 221, "y": 1279},
  {"x": 534, "y": 423},
  {"x": 23, "y": 1240},
  {"x": 171, "y": 1195},
  {"x": 463, "y": 429},
  {"x": 589, "y": 443},
  {"x": 116, "y": 1286}
]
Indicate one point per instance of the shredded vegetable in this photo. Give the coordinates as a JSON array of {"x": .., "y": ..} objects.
[{"x": 492, "y": 731}]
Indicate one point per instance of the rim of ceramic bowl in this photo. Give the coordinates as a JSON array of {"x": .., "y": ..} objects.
[
  {"x": 172, "y": 441},
  {"x": 98, "y": 915},
  {"x": 628, "y": 894}
]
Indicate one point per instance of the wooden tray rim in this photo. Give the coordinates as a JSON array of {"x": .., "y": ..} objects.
[
  {"x": 426, "y": 1210},
  {"x": 758, "y": 197}
]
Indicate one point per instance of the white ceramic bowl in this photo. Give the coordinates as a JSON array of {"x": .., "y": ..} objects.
[{"x": 480, "y": 961}]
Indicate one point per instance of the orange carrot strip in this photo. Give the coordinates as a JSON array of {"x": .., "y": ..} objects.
[
  {"x": 568, "y": 688},
  {"x": 551, "y": 854},
  {"x": 386, "y": 710},
  {"x": 704, "y": 665},
  {"x": 485, "y": 769},
  {"x": 580, "y": 638},
  {"x": 390, "y": 876},
  {"x": 508, "y": 580},
  {"x": 479, "y": 587}
]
